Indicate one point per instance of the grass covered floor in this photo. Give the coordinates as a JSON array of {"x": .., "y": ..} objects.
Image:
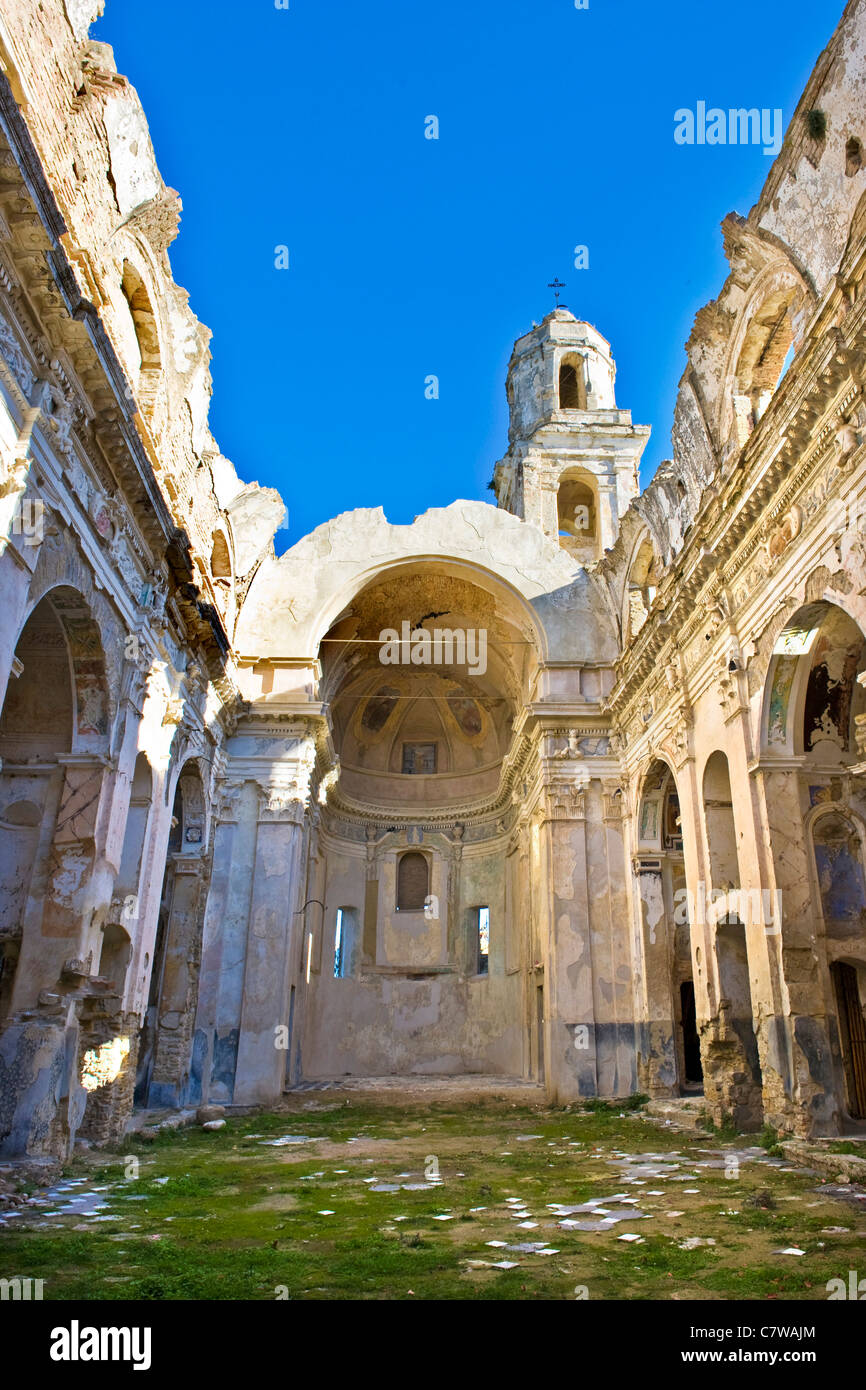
[{"x": 226, "y": 1215}]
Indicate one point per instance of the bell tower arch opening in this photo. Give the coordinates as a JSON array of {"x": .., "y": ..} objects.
[{"x": 570, "y": 445}]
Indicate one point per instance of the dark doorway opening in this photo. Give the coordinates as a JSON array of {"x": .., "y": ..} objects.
[
  {"x": 694, "y": 1072},
  {"x": 539, "y": 1015},
  {"x": 852, "y": 1035}
]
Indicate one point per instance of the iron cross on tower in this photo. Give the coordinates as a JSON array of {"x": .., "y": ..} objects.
[{"x": 556, "y": 285}]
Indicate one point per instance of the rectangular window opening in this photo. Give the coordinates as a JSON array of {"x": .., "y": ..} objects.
[
  {"x": 483, "y": 940},
  {"x": 345, "y": 936},
  {"x": 338, "y": 946}
]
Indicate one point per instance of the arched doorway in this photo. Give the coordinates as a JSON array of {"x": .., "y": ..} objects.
[
  {"x": 53, "y": 744},
  {"x": 165, "y": 1042},
  {"x": 663, "y": 896},
  {"x": 732, "y": 1064},
  {"x": 35, "y": 727},
  {"x": 814, "y": 732}
]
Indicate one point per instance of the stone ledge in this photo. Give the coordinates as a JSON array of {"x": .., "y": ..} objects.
[{"x": 843, "y": 1168}]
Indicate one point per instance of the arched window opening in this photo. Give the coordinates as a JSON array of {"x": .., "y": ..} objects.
[
  {"x": 642, "y": 585},
  {"x": 220, "y": 559},
  {"x": 577, "y": 517},
  {"x": 38, "y": 714},
  {"x": 764, "y": 358},
  {"x": 853, "y": 157},
  {"x": 413, "y": 882},
  {"x": 148, "y": 368},
  {"x": 572, "y": 388}
]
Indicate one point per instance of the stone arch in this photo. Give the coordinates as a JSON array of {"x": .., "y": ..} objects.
[
  {"x": 165, "y": 1042},
  {"x": 721, "y": 833},
  {"x": 837, "y": 840},
  {"x": 760, "y": 348},
  {"x": 814, "y": 704},
  {"x": 124, "y": 914},
  {"x": 661, "y": 891},
  {"x": 221, "y": 566},
  {"x": 856, "y": 233},
  {"x": 54, "y": 733},
  {"x": 732, "y": 1064},
  {"x": 37, "y": 723},
  {"x": 644, "y": 573},
  {"x": 413, "y": 881},
  {"x": 143, "y": 349},
  {"x": 577, "y": 510},
  {"x": 520, "y": 610},
  {"x": 54, "y": 737},
  {"x": 222, "y": 569},
  {"x": 571, "y": 382},
  {"x": 85, "y": 661}
]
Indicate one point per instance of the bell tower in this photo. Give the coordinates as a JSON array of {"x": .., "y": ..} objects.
[{"x": 573, "y": 456}]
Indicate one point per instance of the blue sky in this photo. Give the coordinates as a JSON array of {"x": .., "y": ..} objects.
[{"x": 410, "y": 257}]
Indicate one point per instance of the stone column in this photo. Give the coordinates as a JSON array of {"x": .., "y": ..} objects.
[
  {"x": 657, "y": 1065},
  {"x": 224, "y": 944},
  {"x": 570, "y": 1031},
  {"x": 608, "y": 524},
  {"x": 612, "y": 938},
  {"x": 177, "y": 995},
  {"x": 277, "y": 895}
]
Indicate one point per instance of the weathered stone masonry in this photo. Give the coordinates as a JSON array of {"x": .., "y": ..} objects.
[{"x": 238, "y": 851}]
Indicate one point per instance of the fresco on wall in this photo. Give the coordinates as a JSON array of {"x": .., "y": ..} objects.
[
  {"x": 839, "y": 860},
  {"x": 467, "y": 714},
  {"x": 649, "y": 820},
  {"x": 831, "y": 684},
  {"x": 780, "y": 694},
  {"x": 379, "y": 709}
]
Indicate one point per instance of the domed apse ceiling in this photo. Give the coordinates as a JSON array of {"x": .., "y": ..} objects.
[{"x": 422, "y": 735}]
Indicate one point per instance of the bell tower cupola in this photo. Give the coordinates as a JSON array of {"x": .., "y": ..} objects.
[{"x": 573, "y": 457}]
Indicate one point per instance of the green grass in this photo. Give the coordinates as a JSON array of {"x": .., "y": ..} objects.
[{"x": 223, "y": 1216}]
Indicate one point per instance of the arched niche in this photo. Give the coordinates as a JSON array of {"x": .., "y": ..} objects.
[
  {"x": 124, "y": 914},
  {"x": 837, "y": 844},
  {"x": 640, "y": 591},
  {"x": 659, "y": 825},
  {"x": 413, "y": 881},
  {"x": 812, "y": 695},
  {"x": 721, "y": 833},
  {"x": 140, "y": 801},
  {"x": 428, "y": 724},
  {"x": 142, "y": 344}
]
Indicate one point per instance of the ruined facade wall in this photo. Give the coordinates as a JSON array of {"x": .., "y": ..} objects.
[{"x": 741, "y": 680}]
